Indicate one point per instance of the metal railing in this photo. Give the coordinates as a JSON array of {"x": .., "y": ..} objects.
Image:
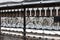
[{"x": 24, "y": 14}]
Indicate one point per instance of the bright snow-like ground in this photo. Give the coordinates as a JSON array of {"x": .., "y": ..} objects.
[{"x": 32, "y": 30}]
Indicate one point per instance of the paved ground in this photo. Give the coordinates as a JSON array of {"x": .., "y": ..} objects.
[{"x": 10, "y": 37}]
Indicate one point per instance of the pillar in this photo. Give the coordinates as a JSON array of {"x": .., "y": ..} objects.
[
  {"x": 19, "y": 9},
  {"x": 51, "y": 8},
  {"x": 57, "y": 8},
  {"x": 9, "y": 10},
  {"x": 30, "y": 9},
  {"x": 45, "y": 11},
  {"x": 35, "y": 9},
  {"x": 40, "y": 11},
  {"x": 26, "y": 11}
]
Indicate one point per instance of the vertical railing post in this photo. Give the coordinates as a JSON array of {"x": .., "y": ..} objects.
[
  {"x": 30, "y": 9},
  {"x": 24, "y": 29},
  {"x": 40, "y": 11},
  {"x": 57, "y": 8},
  {"x": 51, "y": 8},
  {"x": 45, "y": 11},
  {"x": 0, "y": 26},
  {"x": 35, "y": 9}
]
